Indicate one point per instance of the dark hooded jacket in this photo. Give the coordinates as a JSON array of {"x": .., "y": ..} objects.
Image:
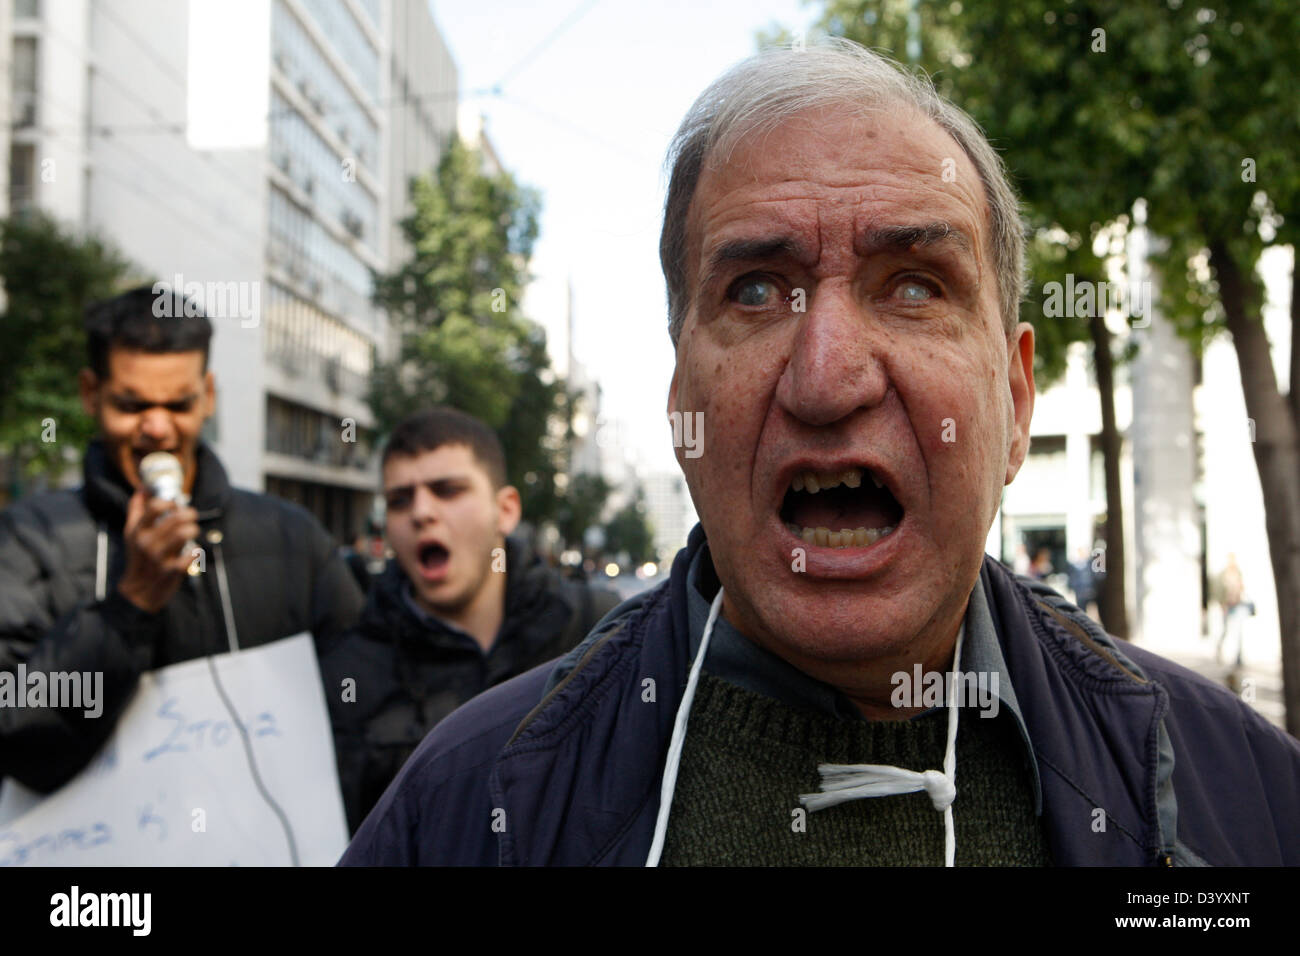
[
  {"x": 563, "y": 765},
  {"x": 409, "y": 670},
  {"x": 61, "y": 555}
]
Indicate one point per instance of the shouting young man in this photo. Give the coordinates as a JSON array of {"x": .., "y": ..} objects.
[
  {"x": 105, "y": 578},
  {"x": 462, "y": 606}
]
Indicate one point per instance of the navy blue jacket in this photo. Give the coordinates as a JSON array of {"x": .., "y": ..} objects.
[{"x": 562, "y": 765}]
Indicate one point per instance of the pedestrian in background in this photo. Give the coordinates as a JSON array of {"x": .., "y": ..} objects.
[{"x": 1232, "y": 598}]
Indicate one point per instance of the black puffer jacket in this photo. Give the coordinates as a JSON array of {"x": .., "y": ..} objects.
[
  {"x": 410, "y": 672},
  {"x": 61, "y": 555}
]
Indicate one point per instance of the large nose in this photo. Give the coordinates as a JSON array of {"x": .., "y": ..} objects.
[
  {"x": 156, "y": 425},
  {"x": 837, "y": 364}
]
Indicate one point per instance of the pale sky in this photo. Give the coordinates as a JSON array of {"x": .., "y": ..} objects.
[{"x": 587, "y": 120}]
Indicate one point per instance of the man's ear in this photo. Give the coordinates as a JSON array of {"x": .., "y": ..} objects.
[
  {"x": 672, "y": 391},
  {"x": 1020, "y": 379},
  {"x": 509, "y": 509},
  {"x": 209, "y": 394},
  {"x": 88, "y": 389}
]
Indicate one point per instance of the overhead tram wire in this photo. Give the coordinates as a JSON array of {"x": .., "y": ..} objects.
[
  {"x": 329, "y": 109},
  {"x": 579, "y": 12},
  {"x": 154, "y": 198},
  {"x": 178, "y": 128},
  {"x": 390, "y": 102},
  {"x": 572, "y": 127},
  {"x": 133, "y": 97},
  {"x": 213, "y": 236}
]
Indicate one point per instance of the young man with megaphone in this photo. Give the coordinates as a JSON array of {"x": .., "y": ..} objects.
[{"x": 155, "y": 559}]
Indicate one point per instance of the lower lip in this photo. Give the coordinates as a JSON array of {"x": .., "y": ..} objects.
[
  {"x": 437, "y": 573},
  {"x": 821, "y": 561}
]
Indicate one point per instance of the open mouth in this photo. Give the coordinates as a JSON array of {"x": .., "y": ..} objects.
[
  {"x": 847, "y": 508},
  {"x": 138, "y": 456},
  {"x": 433, "y": 557}
]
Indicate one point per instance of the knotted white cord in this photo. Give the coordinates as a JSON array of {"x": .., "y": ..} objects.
[
  {"x": 840, "y": 782},
  {"x": 844, "y": 782}
]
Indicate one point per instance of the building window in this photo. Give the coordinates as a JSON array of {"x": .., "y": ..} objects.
[
  {"x": 22, "y": 176},
  {"x": 25, "y": 62},
  {"x": 301, "y": 432}
]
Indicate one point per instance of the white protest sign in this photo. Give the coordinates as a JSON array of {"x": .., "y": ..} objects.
[{"x": 173, "y": 785}]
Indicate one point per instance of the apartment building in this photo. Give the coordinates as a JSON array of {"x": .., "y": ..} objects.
[{"x": 118, "y": 114}]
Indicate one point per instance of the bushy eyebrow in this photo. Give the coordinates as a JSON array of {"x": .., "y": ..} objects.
[
  {"x": 902, "y": 238},
  {"x": 750, "y": 250},
  {"x": 435, "y": 485},
  {"x": 129, "y": 395},
  {"x": 882, "y": 239}
]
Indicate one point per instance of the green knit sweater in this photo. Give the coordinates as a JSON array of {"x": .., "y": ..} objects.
[{"x": 747, "y": 758}]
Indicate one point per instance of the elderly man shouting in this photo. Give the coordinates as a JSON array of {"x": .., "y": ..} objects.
[{"x": 835, "y": 672}]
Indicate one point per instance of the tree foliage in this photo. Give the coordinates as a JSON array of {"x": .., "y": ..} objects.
[
  {"x": 583, "y": 503},
  {"x": 1098, "y": 103},
  {"x": 50, "y": 274},
  {"x": 463, "y": 339},
  {"x": 628, "y": 531}
]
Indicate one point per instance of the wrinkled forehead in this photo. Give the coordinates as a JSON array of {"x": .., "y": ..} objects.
[{"x": 895, "y": 164}]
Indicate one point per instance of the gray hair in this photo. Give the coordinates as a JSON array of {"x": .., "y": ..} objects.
[{"x": 769, "y": 88}]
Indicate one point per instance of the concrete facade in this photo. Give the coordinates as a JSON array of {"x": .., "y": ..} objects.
[{"x": 293, "y": 224}]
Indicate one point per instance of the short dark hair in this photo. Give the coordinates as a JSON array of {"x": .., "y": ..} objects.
[
  {"x": 147, "y": 321},
  {"x": 432, "y": 428}
]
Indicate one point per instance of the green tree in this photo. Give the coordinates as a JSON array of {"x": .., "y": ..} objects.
[
  {"x": 50, "y": 274},
  {"x": 1190, "y": 106},
  {"x": 581, "y": 507},
  {"x": 463, "y": 339},
  {"x": 629, "y": 530}
]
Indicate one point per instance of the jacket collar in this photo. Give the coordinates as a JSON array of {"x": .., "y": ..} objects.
[
  {"x": 739, "y": 660},
  {"x": 107, "y": 491},
  {"x": 1094, "y": 721},
  {"x": 391, "y": 612}
]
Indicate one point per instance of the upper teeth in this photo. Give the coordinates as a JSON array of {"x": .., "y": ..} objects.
[{"x": 815, "y": 481}]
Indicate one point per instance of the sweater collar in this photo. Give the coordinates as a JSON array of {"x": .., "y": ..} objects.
[{"x": 738, "y": 660}]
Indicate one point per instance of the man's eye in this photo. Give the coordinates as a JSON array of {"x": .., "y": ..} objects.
[
  {"x": 755, "y": 292},
  {"x": 912, "y": 290},
  {"x": 399, "y": 501}
]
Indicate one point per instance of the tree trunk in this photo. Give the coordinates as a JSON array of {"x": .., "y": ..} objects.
[
  {"x": 1111, "y": 602},
  {"x": 1277, "y": 456},
  {"x": 1293, "y": 392}
]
